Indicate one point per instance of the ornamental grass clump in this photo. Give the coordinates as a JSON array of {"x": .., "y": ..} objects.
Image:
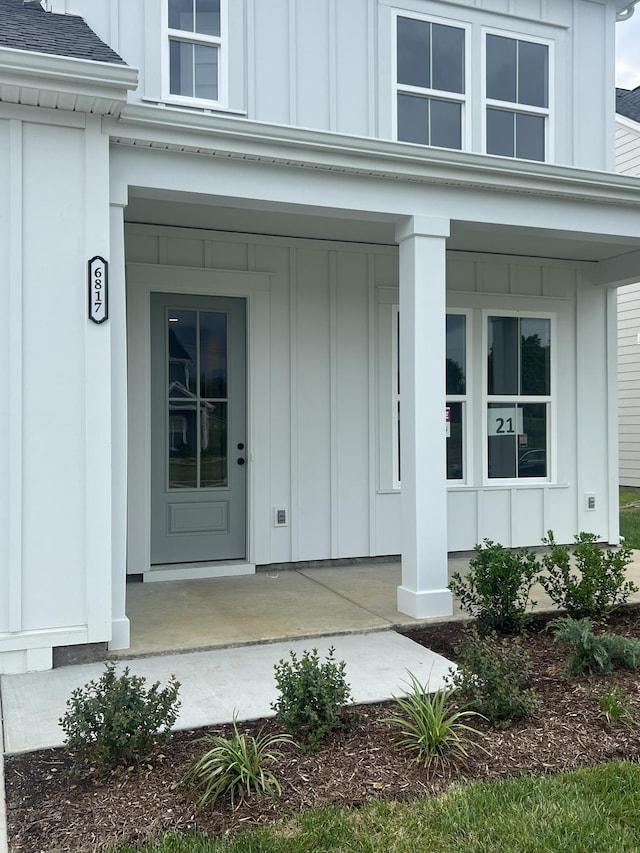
[
  {"x": 586, "y": 579},
  {"x": 236, "y": 766},
  {"x": 430, "y": 726},
  {"x": 115, "y": 721},
  {"x": 496, "y": 590},
  {"x": 312, "y": 695},
  {"x": 491, "y": 678}
]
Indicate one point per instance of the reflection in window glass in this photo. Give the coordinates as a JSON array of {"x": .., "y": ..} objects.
[
  {"x": 195, "y": 16},
  {"x": 196, "y": 414},
  {"x": 447, "y": 50},
  {"x": 503, "y": 357},
  {"x": 193, "y": 70},
  {"x": 501, "y": 68},
  {"x": 446, "y": 124},
  {"x": 455, "y": 469},
  {"x": 535, "y": 363},
  {"x": 413, "y": 119},
  {"x": 213, "y": 471},
  {"x": 414, "y": 53},
  {"x": 530, "y": 142},
  {"x": 532, "y": 444},
  {"x": 456, "y": 354},
  {"x": 533, "y": 74}
]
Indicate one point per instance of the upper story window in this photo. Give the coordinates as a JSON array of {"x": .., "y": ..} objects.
[
  {"x": 517, "y": 98},
  {"x": 430, "y": 80},
  {"x": 195, "y": 29}
]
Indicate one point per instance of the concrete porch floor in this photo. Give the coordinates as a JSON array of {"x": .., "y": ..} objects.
[{"x": 172, "y": 616}]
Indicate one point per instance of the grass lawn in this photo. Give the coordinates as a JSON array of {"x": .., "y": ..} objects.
[
  {"x": 593, "y": 809},
  {"x": 630, "y": 517}
]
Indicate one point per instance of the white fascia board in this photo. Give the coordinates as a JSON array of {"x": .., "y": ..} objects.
[
  {"x": 33, "y": 78},
  {"x": 235, "y": 138},
  {"x": 628, "y": 123}
]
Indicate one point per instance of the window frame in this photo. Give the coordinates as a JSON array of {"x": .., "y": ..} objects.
[
  {"x": 429, "y": 93},
  {"x": 513, "y": 107},
  {"x": 194, "y": 38},
  {"x": 549, "y": 400},
  {"x": 463, "y": 399}
]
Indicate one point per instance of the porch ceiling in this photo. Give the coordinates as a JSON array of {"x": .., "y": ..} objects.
[{"x": 189, "y": 210}]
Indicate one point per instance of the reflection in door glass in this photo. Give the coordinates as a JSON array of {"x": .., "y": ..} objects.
[
  {"x": 213, "y": 355},
  {"x": 213, "y": 461},
  {"x": 197, "y": 399}
]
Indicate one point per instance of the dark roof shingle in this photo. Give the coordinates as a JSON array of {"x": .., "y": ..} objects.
[
  {"x": 29, "y": 27},
  {"x": 628, "y": 103}
]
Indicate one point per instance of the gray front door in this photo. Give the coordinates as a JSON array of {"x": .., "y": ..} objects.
[{"x": 198, "y": 428}]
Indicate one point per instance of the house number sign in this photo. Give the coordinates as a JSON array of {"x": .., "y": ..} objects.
[{"x": 98, "y": 289}]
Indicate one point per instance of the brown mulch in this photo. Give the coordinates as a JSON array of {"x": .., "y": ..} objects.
[{"x": 50, "y": 811}]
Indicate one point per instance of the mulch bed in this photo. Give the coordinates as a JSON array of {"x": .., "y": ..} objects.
[{"x": 50, "y": 811}]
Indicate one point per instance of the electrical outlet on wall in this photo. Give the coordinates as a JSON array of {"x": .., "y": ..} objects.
[
  {"x": 589, "y": 501},
  {"x": 280, "y": 518}
]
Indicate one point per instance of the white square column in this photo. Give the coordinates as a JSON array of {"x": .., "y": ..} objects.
[{"x": 422, "y": 243}]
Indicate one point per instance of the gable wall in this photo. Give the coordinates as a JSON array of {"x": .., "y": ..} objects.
[{"x": 327, "y": 65}]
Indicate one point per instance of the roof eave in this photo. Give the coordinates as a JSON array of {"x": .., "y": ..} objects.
[{"x": 62, "y": 82}]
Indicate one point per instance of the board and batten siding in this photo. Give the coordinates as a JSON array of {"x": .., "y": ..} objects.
[
  {"x": 628, "y": 162},
  {"x": 330, "y": 413},
  {"x": 328, "y": 65}
]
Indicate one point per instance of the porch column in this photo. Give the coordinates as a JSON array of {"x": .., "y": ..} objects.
[
  {"x": 422, "y": 244},
  {"x": 118, "y": 322}
]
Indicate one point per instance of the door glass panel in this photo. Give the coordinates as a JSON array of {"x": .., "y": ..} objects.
[
  {"x": 182, "y": 353},
  {"x": 213, "y": 355},
  {"x": 197, "y": 399},
  {"x": 183, "y": 445},
  {"x": 214, "y": 460},
  {"x": 502, "y": 423}
]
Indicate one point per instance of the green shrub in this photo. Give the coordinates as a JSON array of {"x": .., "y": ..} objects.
[
  {"x": 490, "y": 678},
  {"x": 312, "y": 695},
  {"x": 586, "y": 580},
  {"x": 615, "y": 707},
  {"x": 430, "y": 727},
  {"x": 496, "y": 589},
  {"x": 115, "y": 721},
  {"x": 236, "y": 766},
  {"x": 595, "y": 652}
]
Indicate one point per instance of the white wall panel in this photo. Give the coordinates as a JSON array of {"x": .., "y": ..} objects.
[
  {"x": 271, "y": 70},
  {"x": 54, "y": 379},
  {"x": 351, "y": 400},
  {"x": 314, "y": 62}
]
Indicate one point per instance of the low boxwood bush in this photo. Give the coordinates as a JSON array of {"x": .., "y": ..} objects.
[
  {"x": 312, "y": 695},
  {"x": 430, "y": 726},
  {"x": 496, "y": 589},
  {"x": 237, "y": 766},
  {"x": 586, "y": 579},
  {"x": 595, "y": 652},
  {"x": 491, "y": 678},
  {"x": 116, "y": 721}
]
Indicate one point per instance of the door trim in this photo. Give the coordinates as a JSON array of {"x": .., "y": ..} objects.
[{"x": 142, "y": 280}]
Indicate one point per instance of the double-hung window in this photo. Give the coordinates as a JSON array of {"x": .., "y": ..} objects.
[
  {"x": 518, "y": 396},
  {"x": 430, "y": 82},
  {"x": 517, "y": 98},
  {"x": 195, "y": 32},
  {"x": 454, "y": 417}
]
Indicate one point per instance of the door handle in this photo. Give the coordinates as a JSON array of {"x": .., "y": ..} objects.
[{"x": 240, "y": 461}]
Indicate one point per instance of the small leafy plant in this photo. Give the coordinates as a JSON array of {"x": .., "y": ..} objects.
[
  {"x": 312, "y": 695},
  {"x": 430, "y": 727},
  {"x": 586, "y": 580},
  {"x": 491, "y": 678},
  {"x": 116, "y": 721},
  {"x": 496, "y": 589},
  {"x": 615, "y": 707},
  {"x": 236, "y": 766},
  {"x": 595, "y": 652}
]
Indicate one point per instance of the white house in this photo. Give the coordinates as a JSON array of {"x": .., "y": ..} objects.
[
  {"x": 628, "y": 162},
  {"x": 237, "y": 235}
]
